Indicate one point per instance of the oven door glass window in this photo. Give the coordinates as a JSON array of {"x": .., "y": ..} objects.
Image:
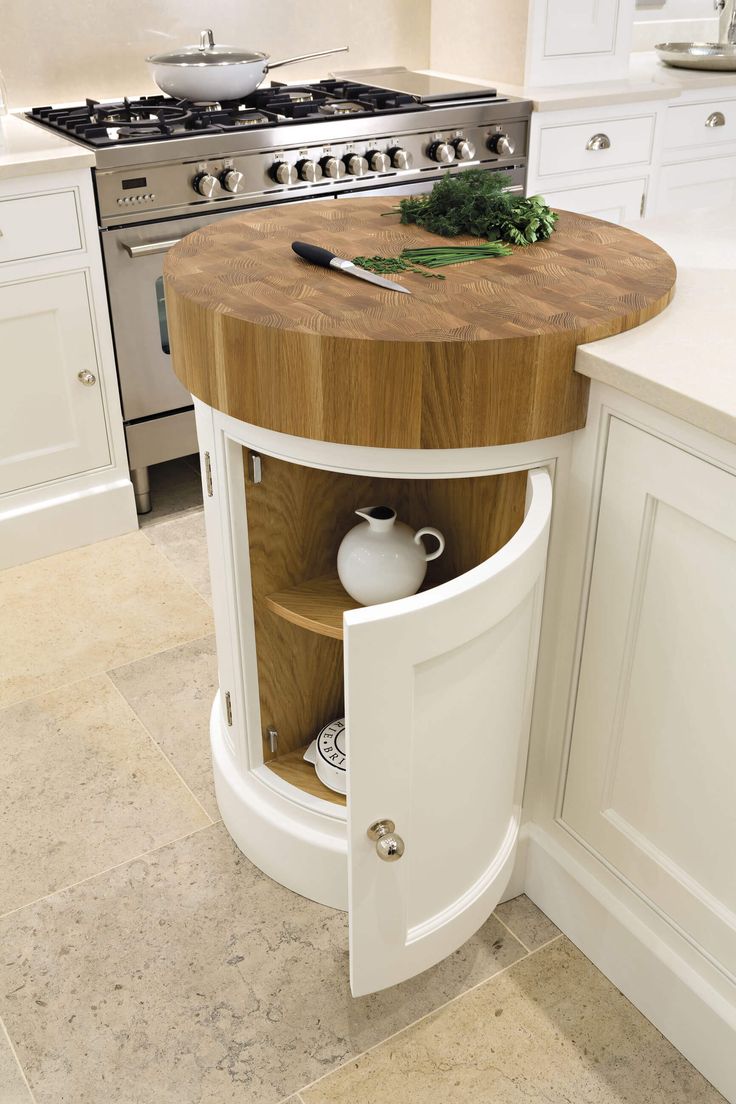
[{"x": 163, "y": 325}]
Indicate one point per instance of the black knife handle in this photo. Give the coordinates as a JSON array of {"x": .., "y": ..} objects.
[{"x": 313, "y": 253}]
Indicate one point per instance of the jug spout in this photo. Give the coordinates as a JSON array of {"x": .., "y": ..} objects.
[{"x": 380, "y": 518}]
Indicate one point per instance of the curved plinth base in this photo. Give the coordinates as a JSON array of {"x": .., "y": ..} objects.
[{"x": 296, "y": 846}]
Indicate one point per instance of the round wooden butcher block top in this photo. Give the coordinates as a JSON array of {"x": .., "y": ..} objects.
[{"x": 484, "y": 357}]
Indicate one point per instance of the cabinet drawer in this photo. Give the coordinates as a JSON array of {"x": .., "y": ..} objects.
[
  {"x": 709, "y": 182},
  {"x": 39, "y": 226},
  {"x": 694, "y": 127},
  {"x": 580, "y": 147}
]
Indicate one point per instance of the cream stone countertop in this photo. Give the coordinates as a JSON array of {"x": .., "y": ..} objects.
[
  {"x": 683, "y": 361},
  {"x": 646, "y": 66},
  {"x": 27, "y": 149}
]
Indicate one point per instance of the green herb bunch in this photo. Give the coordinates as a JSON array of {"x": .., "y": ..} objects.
[{"x": 476, "y": 202}]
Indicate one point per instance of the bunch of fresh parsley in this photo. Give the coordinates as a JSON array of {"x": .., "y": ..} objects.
[{"x": 476, "y": 202}]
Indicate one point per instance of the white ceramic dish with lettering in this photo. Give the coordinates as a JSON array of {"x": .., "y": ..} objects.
[{"x": 327, "y": 754}]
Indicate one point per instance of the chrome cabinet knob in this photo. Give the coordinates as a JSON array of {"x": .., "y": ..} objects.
[
  {"x": 598, "y": 142},
  {"x": 502, "y": 145},
  {"x": 716, "y": 119},
  {"x": 389, "y": 846},
  {"x": 87, "y": 378},
  {"x": 332, "y": 167},
  {"x": 284, "y": 173},
  {"x": 232, "y": 181},
  {"x": 207, "y": 185},
  {"x": 400, "y": 158},
  {"x": 309, "y": 170},
  {"x": 442, "y": 152},
  {"x": 464, "y": 150},
  {"x": 355, "y": 164},
  {"x": 378, "y": 162}
]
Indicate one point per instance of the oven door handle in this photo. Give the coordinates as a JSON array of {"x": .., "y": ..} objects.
[{"x": 150, "y": 248}]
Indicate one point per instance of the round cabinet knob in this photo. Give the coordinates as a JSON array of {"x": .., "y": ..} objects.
[
  {"x": 400, "y": 158},
  {"x": 284, "y": 173},
  {"x": 355, "y": 164},
  {"x": 207, "y": 185},
  {"x": 232, "y": 181},
  {"x": 309, "y": 170},
  {"x": 501, "y": 144},
  {"x": 87, "y": 378},
  {"x": 378, "y": 161},
  {"x": 442, "y": 152},
  {"x": 332, "y": 167},
  {"x": 389, "y": 846},
  {"x": 464, "y": 150}
]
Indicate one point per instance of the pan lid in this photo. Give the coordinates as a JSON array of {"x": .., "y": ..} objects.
[{"x": 207, "y": 54}]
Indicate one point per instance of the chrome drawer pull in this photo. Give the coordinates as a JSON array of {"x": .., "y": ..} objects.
[
  {"x": 716, "y": 119},
  {"x": 150, "y": 248},
  {"x": 598, "y": 142}
]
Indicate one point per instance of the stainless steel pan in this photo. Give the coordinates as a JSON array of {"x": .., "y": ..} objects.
[{"x": 209, "y": 73}]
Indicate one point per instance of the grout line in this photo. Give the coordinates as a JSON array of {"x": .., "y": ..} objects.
[
  {"x": 440, "y": 1008},
  {"x": 108, "y": 870},
  {"x": 513, "y": 933},
  {"x": 158, "y": 747},
  {"x": 4, "y": 1031},
  {"x": 159, "y": 550}
]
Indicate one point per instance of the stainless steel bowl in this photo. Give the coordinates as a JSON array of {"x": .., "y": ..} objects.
[{"x": 698, "y": 55}]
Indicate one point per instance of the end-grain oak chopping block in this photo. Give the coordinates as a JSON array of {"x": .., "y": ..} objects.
[{"x": 484, "y": 357}]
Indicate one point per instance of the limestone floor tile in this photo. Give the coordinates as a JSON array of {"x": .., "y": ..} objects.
[
  {"x": 13, "y": 1088},
  {"x": 85, "y": 611},
  {"x": 182, "y": 540},
  {"x": 84, "y": 788},
  {"x": 552, "y": 1030},
  {"x": 172, "y": 694},
  {"x": 188, "y": 977},
  {"x": 527, "y": 922}
]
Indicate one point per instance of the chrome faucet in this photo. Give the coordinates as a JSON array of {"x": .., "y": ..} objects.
[{"x": 727, "y": 24}]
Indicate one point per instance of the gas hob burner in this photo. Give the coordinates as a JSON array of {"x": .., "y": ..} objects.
[{"x": 341, "y": 107}]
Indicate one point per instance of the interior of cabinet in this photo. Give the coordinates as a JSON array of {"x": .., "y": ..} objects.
[{"x": 297, "y": 517}]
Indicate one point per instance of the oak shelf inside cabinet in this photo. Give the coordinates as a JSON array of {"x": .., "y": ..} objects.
[
  {"x": 317, "y": 605},
  {"x": 293, "y": 768}
]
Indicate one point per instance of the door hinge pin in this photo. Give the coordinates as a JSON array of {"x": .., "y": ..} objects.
[
  {"x": 255, "y": 467},
  {"x": 229, "y": 709},
  {"x": 642, "y": 205},
  {"x": 273, "y": 739},
  {"x": 208, "y": 474}
]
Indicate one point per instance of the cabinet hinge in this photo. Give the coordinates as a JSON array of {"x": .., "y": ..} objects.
[
  {"x": 255, "y": 468},
  {"x": 273, "y": 739},
  {"x": 228, "y": 709},
  {"x": 208, "y": 474},
  {"x": 643, "y": 204}
]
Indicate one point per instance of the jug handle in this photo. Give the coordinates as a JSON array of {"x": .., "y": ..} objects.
[{"x": 429, "y": 531}]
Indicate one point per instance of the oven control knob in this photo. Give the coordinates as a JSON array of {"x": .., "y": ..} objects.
[
  {"x": 378, "y": 162},
  {"x": 284, "y": 173},
  {"x": 400, "y": 158},
  {"x": 355, "y": 164},
  {"x": 309, "y": 170},
  {"x": 207, "y": 185},
  {"x": 442, "y": 152},
  {"x": 501, "y": 144},
  {"x": 332, "y": 167},
  {"x": 232, "y": 181},
  {"x": 464, "y": 150}
]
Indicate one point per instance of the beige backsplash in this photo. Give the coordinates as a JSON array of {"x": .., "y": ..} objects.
[{"x": 58, "y": 51}]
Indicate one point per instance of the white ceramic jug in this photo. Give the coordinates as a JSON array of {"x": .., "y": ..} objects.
[{"x": 382, "y": 559}]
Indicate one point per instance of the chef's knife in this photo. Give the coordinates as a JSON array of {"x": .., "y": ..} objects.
[{"x": 319, "y": 256}]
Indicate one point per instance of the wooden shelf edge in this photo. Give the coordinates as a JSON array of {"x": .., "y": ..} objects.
[
  {"x": 316, "y": 605},
  {"x": 293, "y": 768}
]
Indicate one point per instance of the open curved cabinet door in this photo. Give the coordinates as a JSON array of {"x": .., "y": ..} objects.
[{"x": 438, "y": 702}]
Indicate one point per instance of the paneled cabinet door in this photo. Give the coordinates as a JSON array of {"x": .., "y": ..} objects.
[
  {"x": 580, "y": 27},
  {"x": 619, "y": 203},
  {"x": 650, "y": 785},
  {"x": 438, "y": 697},
  {"x": 52, "y": 420},
  {"x": 709, "y": 182}
]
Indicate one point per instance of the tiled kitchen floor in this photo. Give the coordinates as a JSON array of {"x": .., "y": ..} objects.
[{"x": 145, "y": 961}]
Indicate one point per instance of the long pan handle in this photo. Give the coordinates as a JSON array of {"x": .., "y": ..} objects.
[{"x": 307, "y": 57}]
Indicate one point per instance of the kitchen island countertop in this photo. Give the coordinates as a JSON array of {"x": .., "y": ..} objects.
[
  {"x": 684, "y": 361},
  {"x": 27, "y": 149}
]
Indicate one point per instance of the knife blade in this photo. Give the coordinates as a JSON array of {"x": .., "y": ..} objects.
[{"x": 319, "y": 256}]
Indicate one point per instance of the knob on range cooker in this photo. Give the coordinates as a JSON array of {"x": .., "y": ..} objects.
[
  {"x": 378, "y": 161},
  {"x": 501, "y": 144},
  {"x": 355, "y": 164},
  {"x": 441, "y": 151},
  {"x": 207, "y": 185},
  {"x": 309, "y": 170},
  {"x": 333, "y": 167},
  {"x": 283, "y": 173},
  {"x": 400, "y": 158},
  {"x": 464, "y": 150},
  {"x": 232, "y": 181}
]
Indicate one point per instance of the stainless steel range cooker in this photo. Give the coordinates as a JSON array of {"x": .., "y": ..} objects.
[{"x": 165, "y": 168}]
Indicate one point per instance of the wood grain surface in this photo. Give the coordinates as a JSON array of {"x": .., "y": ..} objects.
[
  {"x": 484, "y": 357},
  {"x": 297, "y": 517},
  {"x": 293, "y": 769},
  {"x": 317, "y": 605}
]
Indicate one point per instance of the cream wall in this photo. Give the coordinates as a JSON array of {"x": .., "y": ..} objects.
[
  {"x": 57, "y": 51},
  {"x": 483, "y": 38}
]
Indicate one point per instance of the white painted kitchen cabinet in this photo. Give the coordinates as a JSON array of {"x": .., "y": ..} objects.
[
  {"x": 63, "y": 474},
  {"x": 622, "y": 201},
  {"x": 698, "y": 153},
  {"x": 578, "y": 40}
]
